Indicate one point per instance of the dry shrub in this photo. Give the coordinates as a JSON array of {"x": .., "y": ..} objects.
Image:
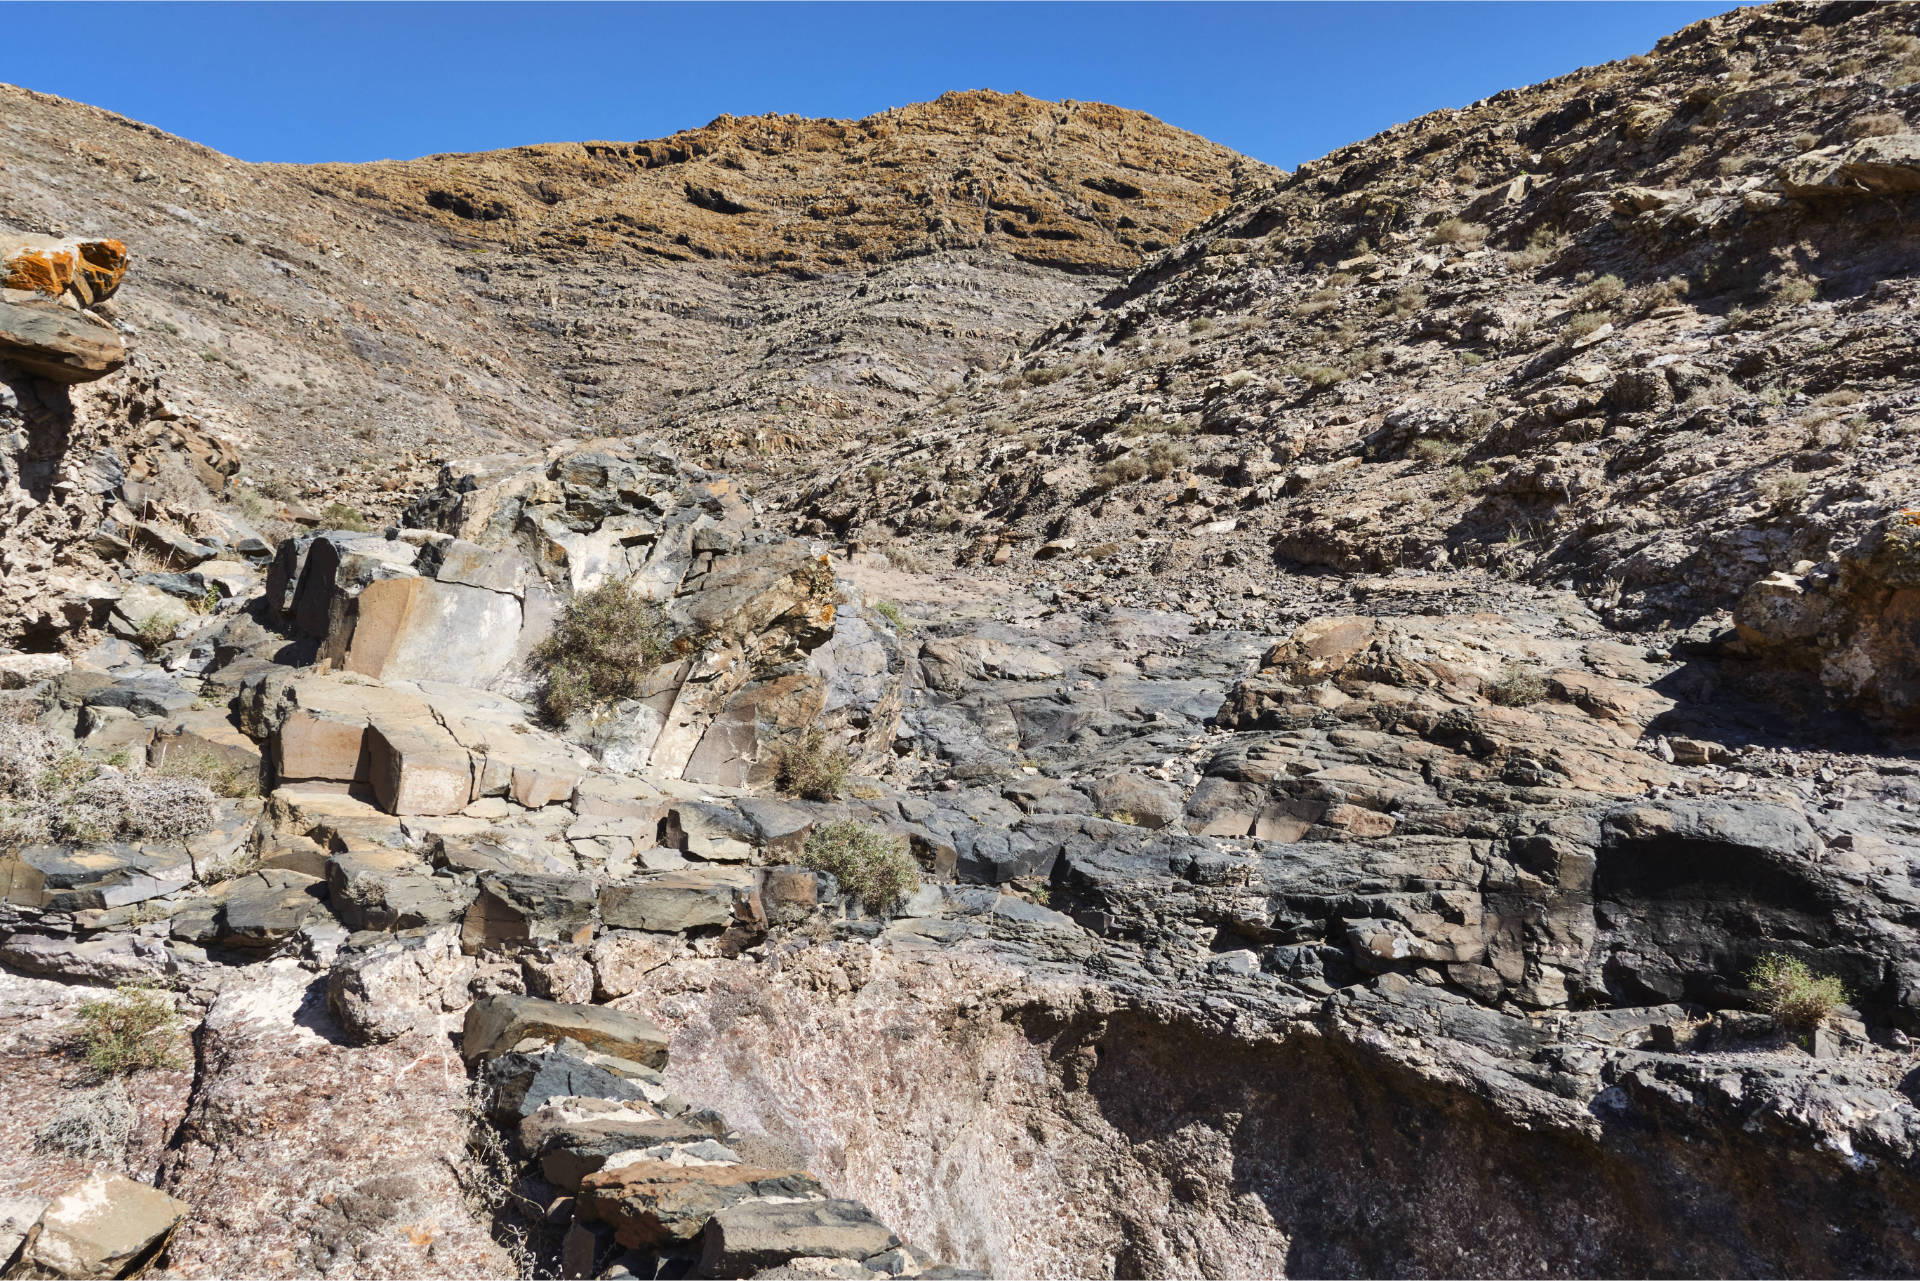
[
  {"x": 1876, "y": 124},
  {"x": 812, "y": 768},
  {"x": 606, "y": 643},
  {"x": 1518, "y": 685},
  {"x": 869, "y": 864},
  {"x": 1798, "y": 999},
  {"x": 134, "y": 1028},
  {"x": 1459, "y": 233},
  {"x": 49, "y": 792},
  {"x": 222, "y": 775}
]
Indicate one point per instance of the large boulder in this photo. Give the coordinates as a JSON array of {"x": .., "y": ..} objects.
[{"x": 57, "y": 342}]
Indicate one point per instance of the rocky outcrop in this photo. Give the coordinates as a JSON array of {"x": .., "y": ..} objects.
[
  {"x": 1853, "y": 622},
  {"x": 1079, "y": 186},
  {"x": 46, "y": 285}
]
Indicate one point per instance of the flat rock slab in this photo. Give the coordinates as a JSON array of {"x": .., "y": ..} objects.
[
  {"x": 104, "y": 1226},
  {"x": 743, "y": 1238},
  {"x": 522, "y": 1084},
  {"x": 652, "y": 1203},
  {"x": 495, "y": 1024},
  {"x": 265, "y": 907},
  {"x": 690, "y": 899}
]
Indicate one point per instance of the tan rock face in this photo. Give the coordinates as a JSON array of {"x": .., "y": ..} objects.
[
  {"x": 1079, "y": 186},
  {"x": 56, "y": 342}
]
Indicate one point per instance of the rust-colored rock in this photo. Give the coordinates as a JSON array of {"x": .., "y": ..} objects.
[{"x": 90, "y": 269}]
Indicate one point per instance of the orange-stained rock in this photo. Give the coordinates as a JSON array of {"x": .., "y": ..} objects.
[{"x": 90, "y": 269}]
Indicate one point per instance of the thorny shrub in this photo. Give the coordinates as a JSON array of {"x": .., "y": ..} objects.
[{"x": 607, "y": 641}]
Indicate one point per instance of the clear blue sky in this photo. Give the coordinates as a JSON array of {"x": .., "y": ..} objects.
[{"x": 308, "y": 82}]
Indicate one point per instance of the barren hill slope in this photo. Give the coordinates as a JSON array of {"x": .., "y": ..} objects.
[
  {"x": 1645, "y": 330},
  {"x": 339, "y": 322}
]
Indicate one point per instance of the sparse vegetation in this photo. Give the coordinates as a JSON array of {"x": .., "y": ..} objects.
[
  {"x": 1583, "y": 323},
  {"x": 222, "y": 775},
  {"x": 1458, "y": 233},
  {"x": 1792, "y": 291},
  {"x": 341, "y": 516},
  {"x": 812, "y": 768},
  {"x": 151, "y": 634},
  {"x": 134, "y": 1029},
  {"x": 870, "y": 865},
  {"x": 1784, "y": 490},
  {"x": 606, "y": 642},
  {"x": 1799, "y": 1000},
  {"x": 1600, "y": 294},
  {"x": 895, "y": 616},
  {"x": 1876, "y": 124},
  {"x": 49, "y": 791},
  {"x": 1518, "y": 685}
]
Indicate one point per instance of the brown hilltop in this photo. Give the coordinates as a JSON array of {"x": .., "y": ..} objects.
[{"x": 1081, "y": 187}]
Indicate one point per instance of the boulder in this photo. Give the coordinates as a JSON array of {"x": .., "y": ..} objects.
[
  {"x": 743, "y": 1238},
  {"x": 518, "y": 906},
  {"x": 417, "y": 767},
  {"x": 496, "y": 1024},
  {"x": 265, "y": 907},
  {"x": 378, "y": 889},
  {"x": 654, "y": 1203},
  {"x": 104, "y": 1226},
  {"x": 382, "y": 988},
  {"x": 518, "y": 1085},
  {"x": 55, "y": 342},
  {"x": 90, "y": 270},
  {"x": 694, "y": 898},
  {"x": 572, "y": 1150},
  {"x": 1879, "y": 166}
]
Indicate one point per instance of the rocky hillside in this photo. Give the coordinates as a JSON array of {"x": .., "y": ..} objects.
[
  {"x": 341, "y": 323},
  {"x": 1643, "y": 331},
  {"x": 1368, "y": 746}
]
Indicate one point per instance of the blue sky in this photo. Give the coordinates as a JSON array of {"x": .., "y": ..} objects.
[{"x": 308, "y": 82}]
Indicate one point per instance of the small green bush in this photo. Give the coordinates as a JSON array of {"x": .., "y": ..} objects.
[
  {"x": 341, "y": 516},
  {"x": 869, "y": 864},
  {"x": 812, "y": 768},
  {"x": 1798, "y": 999},
  {"x": 606, "y": 642},
  {"x": 1601, "y": 293},
  {"x": 134, "y": 1028},
  {"x": 1793, "y": 291},
  {"x": 894, "y": 615},
  {"x": 1583, "y": 323},
  {"x": 1517, "y": 686},
  {"x": 151, "y": 634}
]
